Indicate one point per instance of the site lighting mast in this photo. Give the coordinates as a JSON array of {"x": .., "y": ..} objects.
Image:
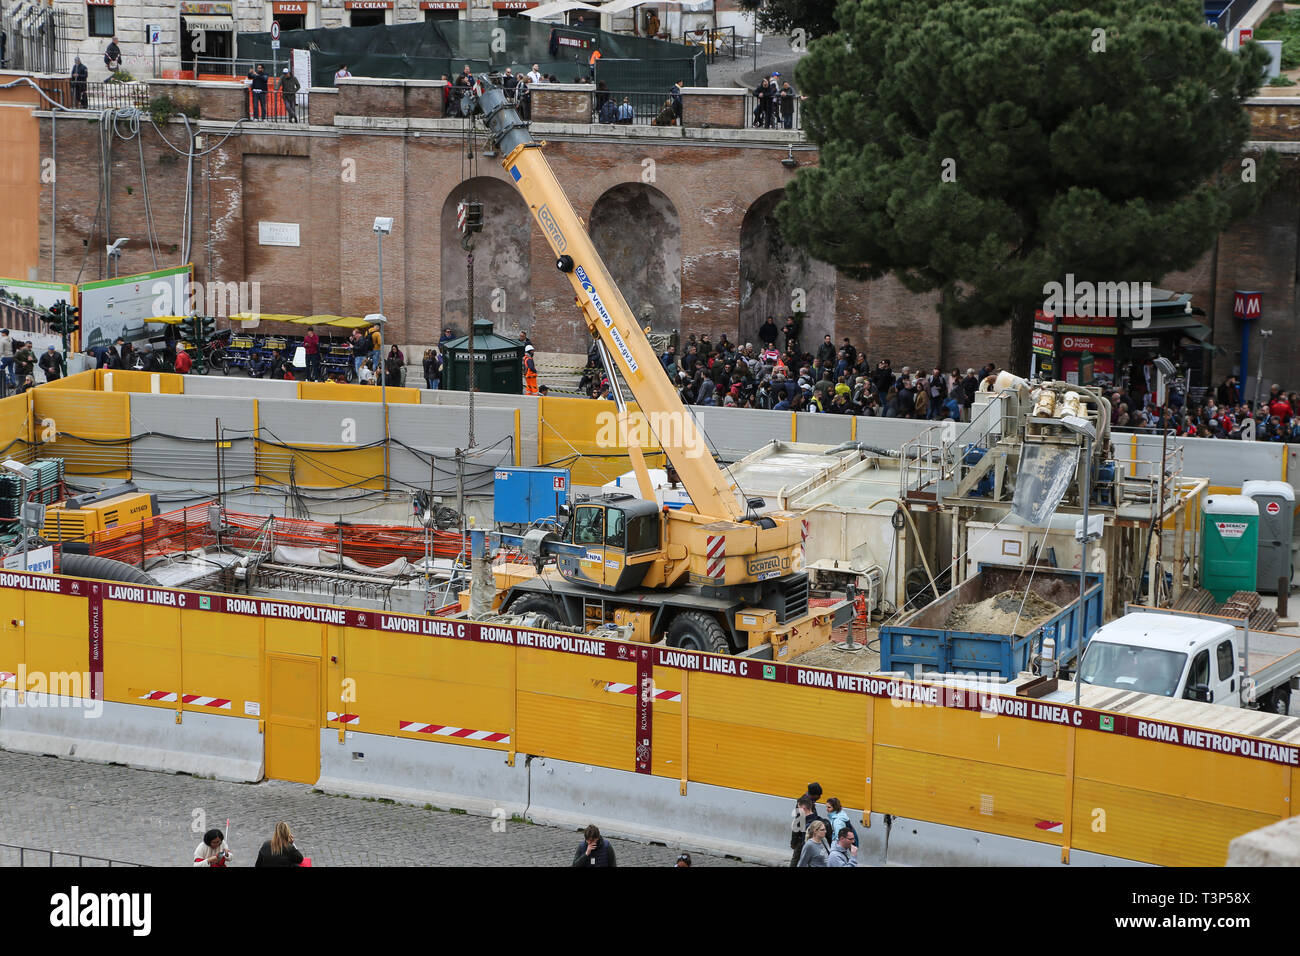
[{"x": 1082, "y": 533}]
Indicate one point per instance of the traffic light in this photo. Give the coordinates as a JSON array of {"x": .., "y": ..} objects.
[
  {"x": 71, "y": 319},
  {"x": 54, "y": 316}
]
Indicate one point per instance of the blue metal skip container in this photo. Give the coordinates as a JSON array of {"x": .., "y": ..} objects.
[{"x": 923, "y": 644}]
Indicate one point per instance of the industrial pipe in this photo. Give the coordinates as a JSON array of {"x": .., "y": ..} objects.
[{"x": 103, "y": 569}]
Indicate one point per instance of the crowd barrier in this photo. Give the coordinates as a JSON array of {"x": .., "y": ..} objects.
[{"x": 394, "y": 703}]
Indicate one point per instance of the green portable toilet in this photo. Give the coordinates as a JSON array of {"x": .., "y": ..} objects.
[
  {"x": 498, "y": 362},
  {"x": 1229, "y": 545}
]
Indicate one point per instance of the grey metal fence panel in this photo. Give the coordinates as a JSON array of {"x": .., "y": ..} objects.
[
  {"x": 240, "y": 385},
  {"x": 893, "y": 433},
  {"x": 191, "y": 417},
  {"x": 1223, "y": 461},
  {"x": 823, "y": 429},
  {"x": 734, "y": 432},
  {"x": 421, "y": 431},
  {"x": 297, "y": 422}
]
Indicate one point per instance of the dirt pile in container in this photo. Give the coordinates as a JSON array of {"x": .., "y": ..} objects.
[{"x": 1011, "y": 612}]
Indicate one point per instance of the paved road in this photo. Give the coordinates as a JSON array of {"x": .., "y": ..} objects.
[{"x": 137, "y": 816}]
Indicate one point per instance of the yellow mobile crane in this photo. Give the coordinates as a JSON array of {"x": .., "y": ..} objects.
[{"x": 712, "y": 576}]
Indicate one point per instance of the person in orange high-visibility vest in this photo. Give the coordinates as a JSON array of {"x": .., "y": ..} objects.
[{"x": 530, "y": 372}]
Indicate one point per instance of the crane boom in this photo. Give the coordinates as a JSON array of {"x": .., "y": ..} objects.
[{"x": 603, "y": 307}]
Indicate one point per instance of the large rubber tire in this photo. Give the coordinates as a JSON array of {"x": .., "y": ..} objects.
[
  {"x": 538, "y": 604},
  {"x": 696, "y": 631},
  {"x": 1279, "y": 701}
]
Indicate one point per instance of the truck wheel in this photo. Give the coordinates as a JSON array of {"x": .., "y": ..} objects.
[
  {"x": 542, "y": 607},
  {"x": 695, "y": 631},
  {"x": 1279, "y": 702}
]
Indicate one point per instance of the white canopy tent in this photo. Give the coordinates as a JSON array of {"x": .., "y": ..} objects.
[{"x": 557, "y": 7}]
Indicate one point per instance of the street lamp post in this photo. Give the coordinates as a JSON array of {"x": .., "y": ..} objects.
[{"x": 383, "y": 227}]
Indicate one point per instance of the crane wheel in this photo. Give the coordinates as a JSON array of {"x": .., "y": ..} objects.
[
  {"x": 543, "y": 607},
  {"x": 696, "y": 631}
]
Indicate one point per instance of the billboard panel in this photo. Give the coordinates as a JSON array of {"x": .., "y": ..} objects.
[
  {"x": 23, "y": 303},
  {"x": 118, "y": 307}
]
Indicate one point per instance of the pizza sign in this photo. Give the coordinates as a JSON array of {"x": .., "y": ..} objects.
[{"x": 1231, "y": 529}]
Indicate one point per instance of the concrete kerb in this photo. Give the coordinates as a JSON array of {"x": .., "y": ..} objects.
[{"x": 147, "y": 738}]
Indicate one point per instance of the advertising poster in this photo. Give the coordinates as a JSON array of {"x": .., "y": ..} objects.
[
  {"x": 22, "y": 303},
  {"x": 119, "y": 307}
]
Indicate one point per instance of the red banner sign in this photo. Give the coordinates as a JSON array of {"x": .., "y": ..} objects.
[
  {"x": 442, "y": 5},
  {"x": 292, "y": 8},
  {"x": 1042, "y": 343},
  {"x": 513, "y": 5},
  {"x": 645, "y": 689},
  {"x": 95, "y": 632},
  {"x": 1087, "y": 343},
  {"x": 369, "y": 4},
  {"x": 1247, "y": 305},
  {"x": 99, "y": 3}
]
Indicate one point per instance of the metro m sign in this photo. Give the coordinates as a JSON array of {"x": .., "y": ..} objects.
[{"x": 1246, "y": 305}]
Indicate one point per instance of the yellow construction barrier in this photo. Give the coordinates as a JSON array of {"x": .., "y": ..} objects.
[
  {"x": 340, "y": 392},
  {"x": 583, "y": 436},
  {"x": 1051, "y": 774}
]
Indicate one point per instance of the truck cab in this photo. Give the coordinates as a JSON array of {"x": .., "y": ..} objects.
[
  {"x": 621, "y": 535},
  {"x": 1166, "y": 655}
]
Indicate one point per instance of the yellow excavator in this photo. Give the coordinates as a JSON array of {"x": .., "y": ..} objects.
[{"x": 710, "y": 576}]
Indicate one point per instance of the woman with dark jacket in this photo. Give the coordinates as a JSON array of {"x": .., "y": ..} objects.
[
  {"x": 279, "y": 850},
  {"x": 394, "y": 366}
]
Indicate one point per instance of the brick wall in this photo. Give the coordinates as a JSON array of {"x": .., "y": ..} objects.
[
  {"x": 562, "y": 103},
  {"x": 333, "y": 182},
  {"x": 713, "y": 109}
]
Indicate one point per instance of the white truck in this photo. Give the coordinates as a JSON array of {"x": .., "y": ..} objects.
[{"x": 1194, "y": 657}]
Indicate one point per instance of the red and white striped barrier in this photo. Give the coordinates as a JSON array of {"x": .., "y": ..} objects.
[
  {"x": 668, "y": 696},
  {"x": 6, "y": 677},
  {"x": 715, "y": 550},
  {"x": 462, "y": 733},
  {"x": 350, "y": 719},
  {"x": 803, "y": 536},
  {"x": 169, "y": 697}
]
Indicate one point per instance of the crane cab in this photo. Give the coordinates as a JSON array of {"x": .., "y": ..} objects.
[{"x": 622, "y": 535}]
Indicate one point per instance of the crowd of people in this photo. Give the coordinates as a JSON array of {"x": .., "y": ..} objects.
[
  {"x": 822, "y": 841},
  {"x": 836, "y": 380},
  {"x": 18, "y": 362},
  {"x": 1222, "y": 412}
]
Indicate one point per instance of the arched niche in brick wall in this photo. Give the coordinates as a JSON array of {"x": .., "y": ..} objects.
[
  {"x": 637, "y": 232},
  {"x": 503, "y": 277},
  {"x": 775, "y": 278}
]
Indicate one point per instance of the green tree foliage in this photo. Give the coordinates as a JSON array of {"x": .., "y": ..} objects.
[
  {"x": 983, "y": 148},
  {"x": 815, "y": 17}
]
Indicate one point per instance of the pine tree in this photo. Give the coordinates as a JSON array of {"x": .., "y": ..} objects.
[{"x": 984, "y": 148}]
